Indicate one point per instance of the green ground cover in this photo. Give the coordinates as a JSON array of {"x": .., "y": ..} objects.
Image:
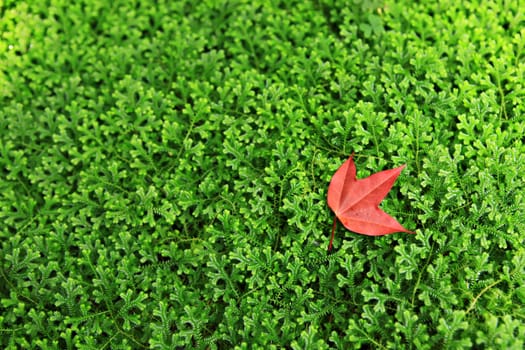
[{"x": 164, "y": 169}]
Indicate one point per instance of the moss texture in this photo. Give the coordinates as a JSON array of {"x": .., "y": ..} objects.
[{"x": 164, "y": 168}]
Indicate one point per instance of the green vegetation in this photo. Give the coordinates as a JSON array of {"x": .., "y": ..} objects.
[{"x": 164, "y": 168}]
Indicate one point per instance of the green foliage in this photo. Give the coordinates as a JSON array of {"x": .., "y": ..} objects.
[{"x": 164, "y": 168}]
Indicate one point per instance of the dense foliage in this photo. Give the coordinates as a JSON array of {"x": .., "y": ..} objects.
[{"x": 164, "y": 168}]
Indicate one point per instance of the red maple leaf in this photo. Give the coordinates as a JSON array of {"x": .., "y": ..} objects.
[{"x": 356, "y": 202}]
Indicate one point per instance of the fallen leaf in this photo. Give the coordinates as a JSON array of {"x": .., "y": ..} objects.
[{"x": 356, "y": 202}]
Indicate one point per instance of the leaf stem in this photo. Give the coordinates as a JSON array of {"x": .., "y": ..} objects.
[
  {"x": 333, "y": 233},
  {"x": 473, "y": 303}
]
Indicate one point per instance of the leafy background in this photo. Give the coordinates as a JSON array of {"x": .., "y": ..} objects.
[{"x": 164, "y": 167}]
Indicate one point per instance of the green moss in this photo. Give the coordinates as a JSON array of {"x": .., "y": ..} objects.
[{"x": 164, "y": 168}]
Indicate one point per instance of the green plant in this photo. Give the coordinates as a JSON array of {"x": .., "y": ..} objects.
[{"x": 164, "y": 168}]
